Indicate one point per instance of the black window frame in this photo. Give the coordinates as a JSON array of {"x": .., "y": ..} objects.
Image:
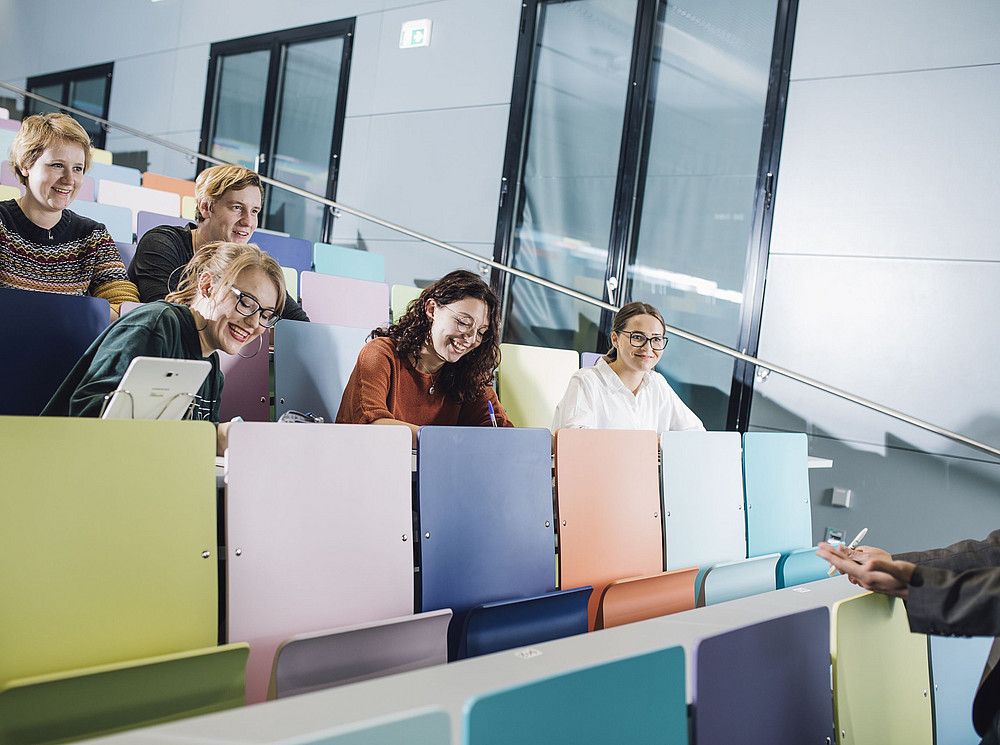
[
  {"x": 629, "y": 192},
  {"x": 65, "y": 78},
  {"x": 274, "y": 41}
]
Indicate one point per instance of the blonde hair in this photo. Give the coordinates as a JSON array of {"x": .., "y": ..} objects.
[
  {"x": 37, "y": 133},
  {"x": 224, "y": 261},
  {"x": 213, "y": 182}
]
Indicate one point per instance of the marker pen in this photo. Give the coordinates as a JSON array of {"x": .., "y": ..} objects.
[
  {"x": 850, "y": 547},
  {"x": 493, "y": 416}
]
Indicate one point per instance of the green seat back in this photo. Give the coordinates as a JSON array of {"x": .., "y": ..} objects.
[
  {"x": 110, "y": 698},
  {"x": 881, "y": 685},
  {"x": 107, "y": 542}
]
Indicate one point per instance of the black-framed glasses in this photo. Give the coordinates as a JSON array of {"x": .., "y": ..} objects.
[
  {"x": 467, "y": 323},
  {"x": 639, "y": 339},
  {"x": 246, "y": 306}
]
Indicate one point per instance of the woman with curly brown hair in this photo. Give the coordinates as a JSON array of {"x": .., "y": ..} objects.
[{"x": 434, "y": 365}]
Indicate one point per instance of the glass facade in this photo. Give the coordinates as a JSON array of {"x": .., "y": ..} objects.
[{"x": 702, "y": 72}]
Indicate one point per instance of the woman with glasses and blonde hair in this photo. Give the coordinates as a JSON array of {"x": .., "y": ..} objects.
[
  {"x": 43, "y": 245},
  {"x": 623, "y": 390},
  {"x": 434, "y": 365},
  {"x": 228, "y": 295}
]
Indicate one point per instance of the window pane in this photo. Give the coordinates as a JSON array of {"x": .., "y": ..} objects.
[
  {"x": 54, "y": 92},
  {"x": 307, "y": 104},
  {"x": 711, "y": 76},
  {"x": 239, "y": 107},
  {"x": 88, "y": 95},
  {"x": 563, "y": 224}
]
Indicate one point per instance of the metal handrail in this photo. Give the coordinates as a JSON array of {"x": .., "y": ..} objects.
[{"x": 699, "y": 340}]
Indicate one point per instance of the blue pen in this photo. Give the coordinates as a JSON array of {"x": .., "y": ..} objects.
[{"x": 493, "y": 417}]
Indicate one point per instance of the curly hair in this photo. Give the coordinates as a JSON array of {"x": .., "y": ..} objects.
[
  {"x": 631, "y": 310},
  {"x": 466, "y": 379}
]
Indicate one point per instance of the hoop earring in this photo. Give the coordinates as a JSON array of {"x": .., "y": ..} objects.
[{"x": 260, "y": 345}]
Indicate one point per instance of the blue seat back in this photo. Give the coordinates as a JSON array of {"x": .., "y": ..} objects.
[
  {"x": 294, "y": 253},
  {"x": 956, "y": 667},
  {"x": 118, "y": 220},
  {"x": 52, "y": 332},
  {"x": 792, "y": 654},
  {"x": 146, "y": 221},
  {"x": 312, "y": 363},
  {"x": 505, "y": 624},
  {"x": 486, "y": 524},
  {"x": 776, "y": 485},
  {"x": 738, "y": 579},
  {"x": 637, "y": 699}
]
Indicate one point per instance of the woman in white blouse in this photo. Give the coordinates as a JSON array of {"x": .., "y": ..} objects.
[{"x": 623, "y": 390}]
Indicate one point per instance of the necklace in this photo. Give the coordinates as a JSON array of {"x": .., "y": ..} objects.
[{"x": 433, "y": 385}]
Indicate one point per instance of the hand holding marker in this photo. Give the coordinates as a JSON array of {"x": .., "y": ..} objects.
[{"x": 853, "y": 545}]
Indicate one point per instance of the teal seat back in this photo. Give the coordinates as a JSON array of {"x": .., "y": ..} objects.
[
  {"x": 776, "y": 485},
  {"x": 348, "y": 262},
  {"x": 637, "y": 699},
  {"x": 800, "y": 566}
]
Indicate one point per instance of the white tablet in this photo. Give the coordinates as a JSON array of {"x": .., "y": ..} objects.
[{"x": 156, "y": 388}]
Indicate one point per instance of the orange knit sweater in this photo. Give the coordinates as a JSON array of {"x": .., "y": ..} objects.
[{"x": 385, "y": 386}]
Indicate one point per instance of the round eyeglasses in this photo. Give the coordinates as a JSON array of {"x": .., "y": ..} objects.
[
  {"x": 466, "y": 323},
  {"x": 639, "y": 339},
  {"x": 246, "y": 306}
]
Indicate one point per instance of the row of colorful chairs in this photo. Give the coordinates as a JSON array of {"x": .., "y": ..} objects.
[{"x": 111, "y": 581}]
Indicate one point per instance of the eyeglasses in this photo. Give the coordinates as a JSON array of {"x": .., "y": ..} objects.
[
  {"x": 467, "y": 323},
  {"x": 639, "y": 339},
  {"x": 246, "y": 306}
]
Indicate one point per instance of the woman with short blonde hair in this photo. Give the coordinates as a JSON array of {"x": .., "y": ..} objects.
[{"x": 43, "y": 245}]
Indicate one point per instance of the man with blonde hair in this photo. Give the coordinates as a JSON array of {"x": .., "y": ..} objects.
[{"x": 228, "y": 200}]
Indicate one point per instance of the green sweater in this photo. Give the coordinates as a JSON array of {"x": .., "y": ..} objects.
[{"x": 158, "y": 329}]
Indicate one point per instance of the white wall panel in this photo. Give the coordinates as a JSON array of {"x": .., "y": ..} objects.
[
  {"x": 436, "y": 172},
  {"x": 891, "y": 165},
  {"x": 857, "y": 37},
  {"x": 917, "y": 336}
]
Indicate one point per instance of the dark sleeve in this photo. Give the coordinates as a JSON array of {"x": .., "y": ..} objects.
[
  {"x": 960, "y": 556},
  {"x": 107, "y": 367},
  {"x": 945, "y": 602},
  {"x": 477, "y": 413},
  {"x": 292, "y": 310},
  {"x": 156, "y": 267}
]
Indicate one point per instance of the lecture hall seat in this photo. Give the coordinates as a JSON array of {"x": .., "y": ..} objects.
[
  {"x": 124, "y": 633},
  {"x": 486, "y": 532},
  {"x": 608, "y": 505},
  {"x": 315, "y": 539}
]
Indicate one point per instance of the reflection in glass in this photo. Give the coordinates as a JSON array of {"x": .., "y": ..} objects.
[
  {"x": 239, "y": 107},
  {"x": 303, "y": 139},
  {"x": 573, "y": 139},
  {"x": 88, "y": 95},
  {"x": 710, "y": 82}
]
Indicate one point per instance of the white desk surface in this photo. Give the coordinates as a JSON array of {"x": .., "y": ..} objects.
[{"x": 452, "y": 684}]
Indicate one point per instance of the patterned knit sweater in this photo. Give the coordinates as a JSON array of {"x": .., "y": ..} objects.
[{"x": 76, "y": 257}]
